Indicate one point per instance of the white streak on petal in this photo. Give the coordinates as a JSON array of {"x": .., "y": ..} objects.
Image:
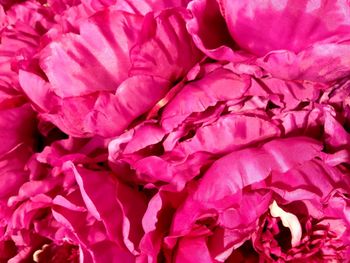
[{"x": 288, "y": 220}]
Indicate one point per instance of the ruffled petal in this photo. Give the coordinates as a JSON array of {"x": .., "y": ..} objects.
[
  {"x": 219, "y": 85},
  {"x": 279, "y": 21},
  {"x": 249, "y": 166},
  {"x": 192, "y": 250},
  {"x": 165, "y": 48},
  {"x": 98, "y": 57}
]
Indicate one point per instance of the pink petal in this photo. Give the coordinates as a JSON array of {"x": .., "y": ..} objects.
[
  {"x": 219, "y": 85},
  {"x": 99, "y": 56},
  {"x": 165, "y": 48},
  {"x": 224, "y": 181},
  {"x": 135, "y": 6},
  {"x": 329, "y": 58},
  {"x": 121, "y": 220},
  {"x": 16, "y": 127},
  {"x": 192, "y": 250},
  {"x": 234, "y": 131},
  {"x": 248, "y": 166},
  {"x": 209, "y": 30},
  {"x": 313, "y": 180},
  {"x": 279, "y": 20}
]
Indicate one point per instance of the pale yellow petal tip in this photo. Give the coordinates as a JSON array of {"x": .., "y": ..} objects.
[
  {"x": 288, "y": 220},
  {"x": 38, "y": 252}
]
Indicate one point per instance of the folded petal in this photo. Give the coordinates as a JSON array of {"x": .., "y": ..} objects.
[
  {"x": 239, "y": 169},
  {"x": 219, "y": 85},
  {"x": 280, "y": 20},
  {"x": 98, "y": 57},
  {"x": 209, "y": 30},
  {"x": 192, "y": 250},
  {"x": 234, "y": 131},
  {"x": 17, "y": 126},
  {"x": 122, "y": 222},
  {"x": 329, "y": 58},
  {"x": 136, "y": 7},
  {"x": 165, "y": 49}
]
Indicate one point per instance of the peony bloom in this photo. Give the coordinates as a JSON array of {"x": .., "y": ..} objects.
[
  {"x": 299, "y": 202},
  {"x": 172, "y": 155},
  {"x": 217, "y": 104},
  {"x": 174, "y": 131},
  {"x": 58, "y": 212},
  {"x": 303, "y": 40}
]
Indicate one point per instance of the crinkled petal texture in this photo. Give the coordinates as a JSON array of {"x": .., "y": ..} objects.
[
  {"x": 95, "y": 60},
  {"x": 17, "y": 129},
  {"x": 96, "y": 63},
  {"x": 135, "y": 6},
  {"x": 222, "y": 105},
  {"x": 121, "y": 219},
  {"x": 20, "y": 31},
  {"x": 229, "y": 175},
  {"x": 313, "y": 197},
  {"x": 280, "y": 20},
  {"x": 77, "y": 212},
  {"x": 165, "y": 49},
  {"x": 103, "y": 101},
  {"x": 174, "y": 131},
  {"x": 285, "y": 49},
  {"x": 216, "y": 217}
]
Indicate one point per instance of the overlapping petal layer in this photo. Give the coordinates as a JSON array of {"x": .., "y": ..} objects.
[{"x": 174, "y": 131}]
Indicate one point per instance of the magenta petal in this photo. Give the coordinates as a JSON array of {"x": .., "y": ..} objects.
[
  {"x": 42, "y": 95},
  {"x": 237, "y": 223},
  {"x": 98, "y": 113},
  {"x": 232, "y": 30},
  {"x": 219, "y": 85},
  {"x": 12, "y": 173},
  {"x": 279, "y": 20},
  {"x": 192, "y": 250},
  {"x": 111, "y": 114},
  {"x": 234, "y": 131},
  {"x": 135, "y": 6},
  {"x": 144, "y": 136},
  {"x": 222, "y": 184},
  {"x": 331, "y": 64},
  {"x": 313, "y": 180},
  {"x": 99, "y": 56},
  {"x": 248, "y": 166},
  {"x": 114, "y": 214},
  {"x": 336, "y": 135},
  {"x": 314, "y": 51},
  {"x": 209, "y": 30},
  {"x": 107, "y": 251},
  {"x": 165, "y": 48},
  {"x": 16, "y": 127}
]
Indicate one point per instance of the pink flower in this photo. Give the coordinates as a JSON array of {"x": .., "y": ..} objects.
[
  {"x": 103, "y": 222},
  {"x": 59, "y": 212},
  {"x": 217, "y": 104},
  {"x": 267, "y": 34},
  {"x": 174, "y": 131},
  {"x": 216, "y": 218},
  {"x": 315, "y": 204}
]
